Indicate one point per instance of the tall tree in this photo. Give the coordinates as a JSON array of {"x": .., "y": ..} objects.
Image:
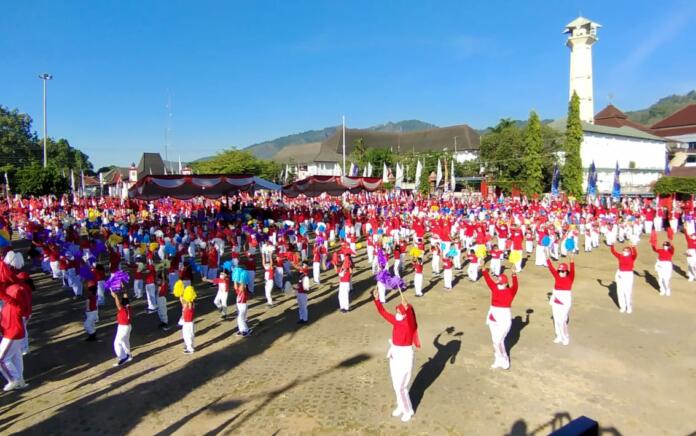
[
  {"x": 233, "y": 161},
  {"x": 501, "y": 154},
  {"x": 532, "y": 160},
  {"x": 571, "y": 173}
]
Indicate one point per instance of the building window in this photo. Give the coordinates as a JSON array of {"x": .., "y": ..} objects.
[{"x": 692, "y": 145}]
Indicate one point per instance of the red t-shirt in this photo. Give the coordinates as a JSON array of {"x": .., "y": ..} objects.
[
  {"x": 188, "y": 314},
  {"x": 123, "y": 316},
  {"x": 501, "y": 297}
]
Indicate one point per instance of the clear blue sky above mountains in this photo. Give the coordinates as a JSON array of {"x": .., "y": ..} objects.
[{"x": 243, "y": 72}]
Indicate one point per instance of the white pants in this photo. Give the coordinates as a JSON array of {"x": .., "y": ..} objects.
[
  {"x": 658, "y": 223},
  {"x": 381, "y": 292},
  {"x": 251, "y": 277},
  {"x": 11, "y": 361},
  {"x": 499, "y": 327},
  {"x": 151, "y": 294},
  {"x": 315, "y": 272},
  {"x": 397, "y": 267},
  {"x": 495, "y": 266},
  {"x": 55, "y": 270},
  {"x": 648, "y": 227},
  {"x": 560, "y": 313},
  {"x": 664, "y": 275},
  {"x": 122, "y": 341},
  {"x": 529, "y": 246},
  {"x": 472, "y": 271},
  {"x": 188, "y": 334},
  {"x": 162, "y": 309},
  {"x": 400, "y": 367},
  {"x": 370, "y": 253},
  {"x": 220, "y": 301},
  {"x": 447, "y": 278},
  {"x": 269, "y": 290},
  {"x": 624, "y": 289},
  {"x": 302, "y": 306},
  {"x": 91, "y": 322},
  {"x": 138, "y": 288},
  {"x": 691, "y": 264},
  {"x": 241, "y": 317},
  {"x": 127, "y": 255},
  {"x": 436, "y": 263},
  {"x": 540, "y": 258},
  {"x": 418, "y": 283},
  {"x": 344, "y": 295}
]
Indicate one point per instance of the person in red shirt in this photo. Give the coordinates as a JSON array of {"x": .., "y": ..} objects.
[
  {"x": 624, "y": 277},
  {"x": 187, "y": 331},
  {"x": 663, "y": 266},
  {"x": 13, "y": 333},
  {"x": 499, "y": 318},
  {"x": 123, "y": 328},
  {"x": 690, "y": 255},
  {"x": 242, "y": 297},
  {"x": 447, "y": 266},
  {"x": 418, "y": 276},
  {"x": 223, "y": 284},
  {"x": 162, "y": 293},
  {"x": 302, "y": 288},
  {"x": 91, "y": 312},
  {"x": 344, "y": 273},
  {"x": 400, "y": 355},
  {"x": 561, "y": 300},
  {"x": 473, "y": 267},
  {"x": 151, "y": 287}
]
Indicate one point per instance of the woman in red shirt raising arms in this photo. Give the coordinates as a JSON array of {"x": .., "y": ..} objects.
[
  {"x": 624, "y": 277},
  {"x": 400, "y": 355},
  {"x": 561, "y": 299},
  {"x": 499, "y": 318}
]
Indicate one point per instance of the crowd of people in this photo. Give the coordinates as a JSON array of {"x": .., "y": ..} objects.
[{"x": 160, "y": 251}]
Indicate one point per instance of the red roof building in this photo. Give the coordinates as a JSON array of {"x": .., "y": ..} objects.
[
  {"x": 611, "y": 116},
  {"x": 680, "y": 126}
]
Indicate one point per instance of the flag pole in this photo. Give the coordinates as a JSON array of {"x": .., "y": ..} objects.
[{"x": 344, "y": 144}]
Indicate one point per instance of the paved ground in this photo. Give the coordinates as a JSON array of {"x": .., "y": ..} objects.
[{"x": 635, "y": 374}]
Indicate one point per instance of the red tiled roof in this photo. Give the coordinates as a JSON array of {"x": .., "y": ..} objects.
[
  {"x": 681, "y": 118},
  {"x": 611, "y": 116},
  {"x": 674, "y": 131},
  {"x": 683, "y": 172}
]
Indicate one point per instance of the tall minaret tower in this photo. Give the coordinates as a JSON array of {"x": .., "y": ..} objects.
[{"x": 582, "y": 34}]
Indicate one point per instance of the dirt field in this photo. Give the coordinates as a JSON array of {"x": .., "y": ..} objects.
[{"x": 635, "y": 374}]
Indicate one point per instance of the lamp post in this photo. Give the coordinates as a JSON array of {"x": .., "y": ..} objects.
[{"x": 45, "y": 77}]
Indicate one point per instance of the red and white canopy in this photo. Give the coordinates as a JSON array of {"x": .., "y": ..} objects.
[
  {"x": 187, "y": 187},
  {"x": 314, "y": 186}
]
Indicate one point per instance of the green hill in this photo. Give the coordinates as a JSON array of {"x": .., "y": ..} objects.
[{"x": 663, "y": 108}]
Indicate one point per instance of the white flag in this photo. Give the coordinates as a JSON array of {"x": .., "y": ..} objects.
[
  {"x": 453, "y": 182},
  {"x": 287, "y": 170},
  {"x": 369, "y": 169},
  {"x": 82, "y": 182},
  {"x": 399, "y": 175},
  {"x": 364, "y": 171},
  {"x": 72, "y": 181},
  {"x": 419, "y": 171},
  {"x": 385, "y": 173},
  {"x": 439, "y": 174}
]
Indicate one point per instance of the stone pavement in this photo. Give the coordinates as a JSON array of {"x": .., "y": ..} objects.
[{"x": 635, "y": 374}]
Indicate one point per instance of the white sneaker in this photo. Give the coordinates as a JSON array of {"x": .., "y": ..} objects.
[
  {"x": 21, "y": 384},
  {"x": 9, "y": 386},
  {"x": 566, "y": 341},
  {"x": 668, "y": 293},
  {"x": 557, "y": 340},
  {"x": 505, "y": 365},
  {"x": 397, "y": 412},
  {"x": 406, "y": 417},
  {"x": 629, "y": 310},
  {"x": 622, "y": 310},
  {"x": 662, "y": 293}
]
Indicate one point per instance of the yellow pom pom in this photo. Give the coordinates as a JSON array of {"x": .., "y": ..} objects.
[
  {"x": 154, "y": 246},
  {"x": 358, "y": 245},
  {"x": 178, "y": 289},
  {"x": 332, "y": 243},
  {"x": 515, "y": 256},
  {"x": 480, "y": 251},
  {"x": 189, "y": 294}
]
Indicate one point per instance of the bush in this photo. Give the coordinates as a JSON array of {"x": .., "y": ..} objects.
[{"x": 679, "y": 185}]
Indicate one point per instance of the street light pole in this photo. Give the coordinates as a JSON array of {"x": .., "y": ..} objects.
[{"x": 45, "y": 77}]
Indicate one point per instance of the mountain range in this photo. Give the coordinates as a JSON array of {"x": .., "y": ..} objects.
[{"x": 266, "y": 149}]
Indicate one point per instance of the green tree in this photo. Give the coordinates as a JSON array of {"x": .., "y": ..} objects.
[
  {"x": 501, "y": 154},
  {"x": 358, "y": 155},
  {"x": 378, "y": 157},
  {"x": 63, "y": 155},
  {"x": 18, "y": 145},
  {"x": 571, "y": 173},
  {"x": 424, "y": 184},
  {"x": 233, "y": 161},
  {"x": 34, "y": 179},
  {"x": 532, "y": 160}
]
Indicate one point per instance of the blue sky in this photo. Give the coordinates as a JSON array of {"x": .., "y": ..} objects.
[{"x": 241, "y": 72}]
